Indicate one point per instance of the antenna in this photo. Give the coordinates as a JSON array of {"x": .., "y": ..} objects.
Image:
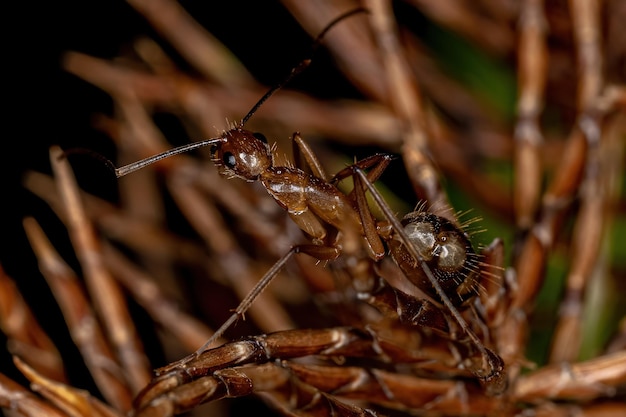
[{"x": 134, "y": 166}]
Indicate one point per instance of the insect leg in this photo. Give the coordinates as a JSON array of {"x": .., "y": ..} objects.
[
  {"x": 317, "y": 251},
  {"x": 378, "y": 163},
  {"x": 303, "y": 149}
]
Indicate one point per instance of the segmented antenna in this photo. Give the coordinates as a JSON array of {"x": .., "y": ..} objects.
[
  {"x": 302, "y": 65},
  {"x": 135, "y": 166}
]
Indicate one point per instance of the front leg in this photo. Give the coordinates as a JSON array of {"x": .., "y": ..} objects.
[{"x": 302, "y": 149}]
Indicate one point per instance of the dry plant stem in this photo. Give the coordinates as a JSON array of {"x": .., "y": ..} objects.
[
  {"x": 105, "y": 293},
  {"x": 14, "y": 397},
  {"x": 142, "y": 200},
  {"x": 594, "y": 378},
  {"x": 117, "y": 79},
  {"x": 406, "y": 102},
  {"x": 248, "y": 216},
  {"x": 270, "y": 379},
  {"x": 163, "y": 270},
  {"x": 455, "y": 165},
  {"x": 489, "y": 135},
  {"x": 209, "y": 377},
  {"x": 292, "y": 380},
  {"x": 139, "y": 193},
  {"x": 402, "y": 392},
  {"x": 493, "y": 296},
  {"x": 81, "y": 320},
  {"x": 151, "y": 53},
  {"x": 198, "y": 110},
  {"x": 350, "y": 43},
  {"x": 73, "y": 401},
  {"x": 572, "y": 167},
  {"x": 586, "y": 243},
  {"x": 202, "y": 379},
  {"x": 187, "y": 330},
  {"x": 251, "y": 350},
  {"x": 606, "y": 409},
  {"x": 267, "y": 312},
  {"x": 586, "y": 25},
  {"x": 193, "y": 42},
  {"x": 616, "y": 40},
  {"x": 593, "y": 212},
  {"x": 463, "y": 18},
  {"x": 134, "y": 233},
  {"x": 25, "y": 336},
  {"x": 586, "y": 20},
  {"x": 349, "y": 122},
  {"x": 532, "y": 259},
  {"x": 532, "y": 73},
  {"x": 143, "y": 134}
]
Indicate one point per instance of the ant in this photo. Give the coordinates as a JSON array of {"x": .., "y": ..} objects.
[{"x": 434, "y": 254}]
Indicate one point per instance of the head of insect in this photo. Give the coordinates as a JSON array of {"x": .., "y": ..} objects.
[
  {"x": 448, "y": 252},
  {"x": 242, "y": 153}
]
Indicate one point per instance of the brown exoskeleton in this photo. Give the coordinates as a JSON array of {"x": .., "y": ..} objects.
[{"x": 435, "y": 256}]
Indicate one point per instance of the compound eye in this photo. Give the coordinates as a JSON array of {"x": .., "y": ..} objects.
[
  {"x": 229, "y": 160},
  {"x": 260, "y": 136},
  {"x": 452, "y": 253}
]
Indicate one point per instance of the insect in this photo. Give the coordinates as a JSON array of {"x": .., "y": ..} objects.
[
  {"x": 434, "y": 254},
  {"x": 447, "y": 254}
]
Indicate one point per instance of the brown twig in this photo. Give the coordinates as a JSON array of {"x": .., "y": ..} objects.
[
  {"x": 405, "y": 99},
  {"x": 25, "y": 336},
  {"x": 81, "y": 320},
  {"x": 105, "y": 293},
  {"x": 73, "y": 401},
  {"x": 532, "y": 71},
  {"x": 14, "y": 397}
]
